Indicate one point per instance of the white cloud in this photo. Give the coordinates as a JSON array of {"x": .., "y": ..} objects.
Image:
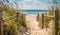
[
  {"x": 35, "y": 7},
  {"x": 33, "y": 4},
  {"x": 28, "y": 0}
]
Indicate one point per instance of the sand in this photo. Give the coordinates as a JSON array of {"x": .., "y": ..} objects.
[{"x": 34, "y": 29}]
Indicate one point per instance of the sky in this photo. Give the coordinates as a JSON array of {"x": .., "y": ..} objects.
[{"x": 34, "y": 4}]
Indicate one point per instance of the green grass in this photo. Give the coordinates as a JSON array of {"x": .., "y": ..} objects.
[{"x": 11, "y": 25}]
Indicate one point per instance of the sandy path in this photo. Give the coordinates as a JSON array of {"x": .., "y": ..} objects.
[
  {"x": 33, "y": 25},
  {"x": 31, "y": 22}
]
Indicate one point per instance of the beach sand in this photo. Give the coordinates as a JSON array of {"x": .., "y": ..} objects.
[{"x": 34, "y": 29}]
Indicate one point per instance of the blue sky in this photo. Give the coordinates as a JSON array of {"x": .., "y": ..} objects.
[{"x": 34, "y": 4}]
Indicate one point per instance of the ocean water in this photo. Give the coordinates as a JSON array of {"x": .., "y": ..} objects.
[{"x": 33, "y": 12}]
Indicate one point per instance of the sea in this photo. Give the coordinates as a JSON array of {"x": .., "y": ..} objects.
[{"x": 33, "y": 12}]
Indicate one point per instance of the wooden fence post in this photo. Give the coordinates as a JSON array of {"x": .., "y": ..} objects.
[
  {"x": 56, "y": 22},
  {"x": 42, "y": 20},
  {"x": 1, "y": 24}
]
